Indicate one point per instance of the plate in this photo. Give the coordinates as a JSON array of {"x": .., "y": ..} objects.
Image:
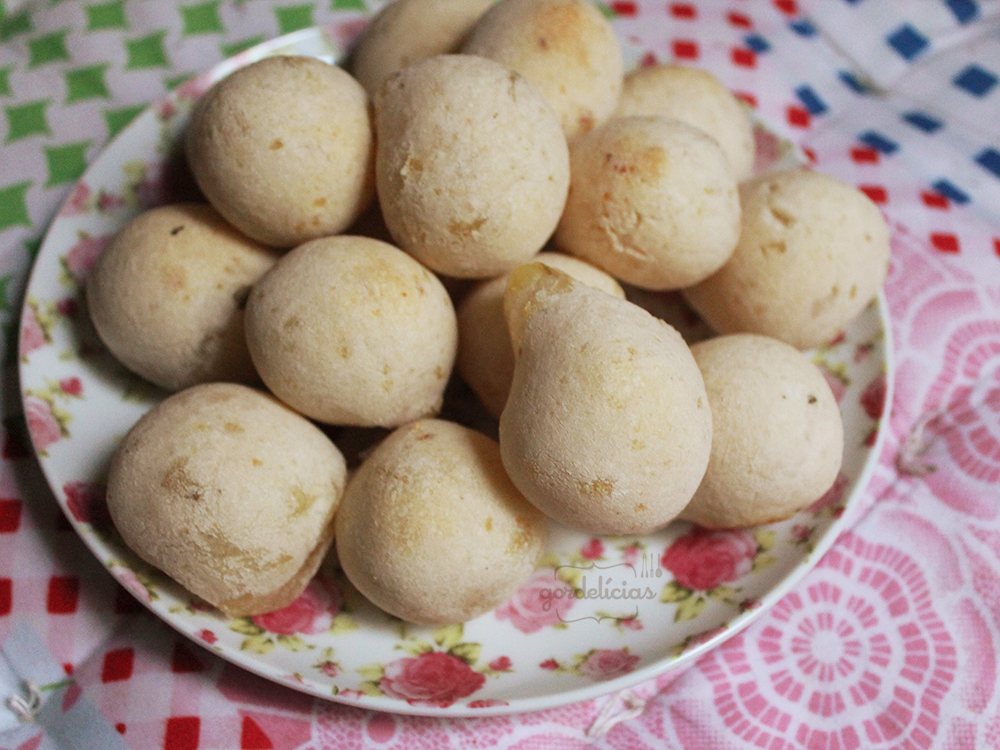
[{"x": 642, "y": 605}]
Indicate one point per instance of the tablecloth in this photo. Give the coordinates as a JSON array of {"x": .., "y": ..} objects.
[{"x": 891, "y": 641}]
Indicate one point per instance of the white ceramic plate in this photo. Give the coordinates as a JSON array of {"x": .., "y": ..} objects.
[{"x": 650, "y": 604}]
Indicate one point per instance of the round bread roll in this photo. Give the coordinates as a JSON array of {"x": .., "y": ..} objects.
[
  {"x": 607, "y": 428},
  {"x": 485, "y": 356},
  {"x": 353, "y": 331},
  {"x": 565, "y": 47},
  {"x": 653, "y": 202},
  {"x": 406, "y": 31},
  {"x": 698, "y": 98},
  {"x": 431, "y": 530},
  {"x": 284, "y": 149},
  {"x": 230, "y": 493},
  {"x": 813, "y": 253},
  {"x": 472, "y": 167},
  {"x": 778, "y": 438},
  {"x": 166, "y": 296}
]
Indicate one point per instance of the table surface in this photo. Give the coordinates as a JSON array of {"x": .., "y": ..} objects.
[{"x": 890, "y": 642}]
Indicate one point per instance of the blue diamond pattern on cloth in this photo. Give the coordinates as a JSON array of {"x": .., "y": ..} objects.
[
  {"x": 802, "y": 27},
  {"x": 923, "y": 121},
  {"x": 811, "y": 100},
  {"x": 976, "y": 80},
  {"x": 963, "y": 10},
  {"x": 950, "y": 191},
  {"x": 757, "y": 43},
  {"x": 879, "y": 142},
  {"x": 907, "y": 41},
  {"x": 989, "y": 159}
]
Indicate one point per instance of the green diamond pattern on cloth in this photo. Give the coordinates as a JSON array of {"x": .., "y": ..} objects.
[
  {"x": 5, "y": 89},
  {"x": 48, "y": 48},
  {"x": 13, "y": 205},
  {"x": 106, "y": 16},
  {"x": 26, "y": 120},
  {"x": 293, "y": 18},
  {"x": 86, "y": 83},
  {"x": 11, "y": 26},
  {"x": 147, "y": 52},
  {"x": 202, "y": 19},
  {"x": 347, "y": 5},
  {"x": 66, "y": 163},
  {"x": 116, "y": 119},
  {"x": 228, "y": 50}
]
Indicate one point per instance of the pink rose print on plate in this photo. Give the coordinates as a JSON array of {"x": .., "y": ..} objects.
[
  {"x": 431, "y": 679},
  {"x": 87, "y": 503},
  {"x": 33, "y": 335},
  {"x": 607, "y": 664},
  {"x": 312, "y": 612},
  {"x": 83, "y": 255},
  {"x": 831, "y": 670},
  {"x": 43, "y": 426},
  {"x": 701, "y": 559},
  {"x": 543, "y": 600}
]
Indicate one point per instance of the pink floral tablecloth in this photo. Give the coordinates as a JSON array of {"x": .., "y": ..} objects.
[{"x": 892, "y": 641}]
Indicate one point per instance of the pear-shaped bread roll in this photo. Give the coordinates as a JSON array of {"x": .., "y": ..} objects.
[
  {"x": 607, "y": 428},
  {"x": 230, "y": 493}
]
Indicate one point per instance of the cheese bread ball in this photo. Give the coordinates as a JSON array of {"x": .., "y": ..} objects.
[
  {"x": 607, "y": 428},
  {"x": 431, "y": 530},
  {"x": 230, "y": 493},
  {"x": 813, "y": 253},
  {"x": 653, "y": 202},
  {"x": 472, "y": 167},
  {"x": 485, "y": 356},
  {"x": 283, "y": 148},
  {"x": 353, "y": 331},
  {"x": 565, "y": 47},
  {"x": 778, "y": 437},
  {"x": 698, "y": 98},
  {"x": 166, "y": 296},
  {"x": 406, "y": 31}
]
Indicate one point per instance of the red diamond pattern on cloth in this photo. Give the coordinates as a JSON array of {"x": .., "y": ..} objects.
[
  {"x": 63, "y": 595},
  {"x": 252, "y": 737},
  {"x": 935, "y": 200},
  {"x": 182, "y": 733},
  {"x": 996, "y": 245},
  {"x": 624, "y": 8},
  {"x": 184, "y": 660},
  {"x": 685, "y": 49},
  {"x": 745, "y": 58},
  {"x": 789, "y": 7},
  {"x": 118, "y": 665},
  {"x": 798, "y": 117},
  {"x": 946, "y": 243},
  {"x": 10, "y": 516},
  {"x": 864, "y": 156},
  {"x": 6, "y": 596},
  {"x": 877, "y": 193},
  {"x": 683, "y": 10},
  {"x": 739, "y": 20}
]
